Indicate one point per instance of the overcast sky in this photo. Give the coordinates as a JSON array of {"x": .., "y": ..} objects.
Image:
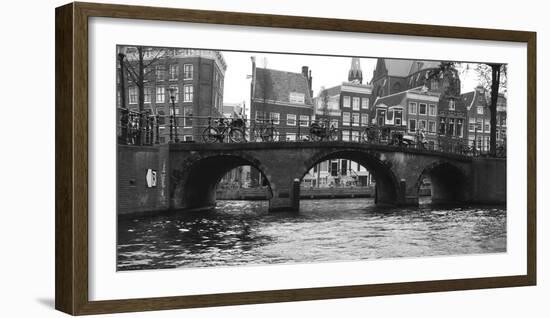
[{"x": 326, "y": 71}]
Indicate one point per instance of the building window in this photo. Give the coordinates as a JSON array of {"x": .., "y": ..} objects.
[
  {"x": 172, "y": 111},
  {"x": 188, "y": 138},
  {"x": 188, "y": 93},
  {"x": 161, "y": 113},
  {"x": 434, "y": 85},
  {"x": 365, "y": 103},
  {"x": 431, "y": 127},
  {"x": 345, "y": 119},
  {"x": 364, "y": 119},
  {"x": 346, "y": 101},
  {"x": 160, "y": 94},
  {"x": 442, "y": 126},
  {"x": 345, "y": 135},
  {"x": 487, "y": 126},
  {"x": 451, "y": 127},
  {"x": 422, "y": 124},
  {"x": 398, "y": 114},
  {"x": 355, "y": 119},
  {"x": 187, "y": 71},
  {"x": 188, "y": 117},
  {"x": 304, "y": 120},
  {"x": 355, "y": 136},
  {"x": 296, "y": 98},
  {"x": 118, "y": 98},
  {"x": 479, "y": 124},
  {"x": 459, "y": 124},
  {"x": 412, "y": 125},
  {"x": 412, "y": 108},
  {"x": 334, "y": 123},
  {"x": 451, "y": 104},
  {"x": 422, "y": 109},
  {"x": 159, "y": 72},
  {"x": 472, "y": 124},
  {"x": 132, "y": 95},
  {"x": 431, "y": 110},
  {"x": 173, "y": 73},
  {"x": 291, "y": 119},
  {"x": 355, "y": 103},
  {"x": 480, "y": 110},
  {"x": 275, "y": 117},
  {"x": 290, "y": 137},
  {"x": 260, "y": 116},
  {"x": 147, "y": 95},
  {"x": 176, "y": 93}
]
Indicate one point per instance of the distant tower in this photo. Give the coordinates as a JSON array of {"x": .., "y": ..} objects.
[{"x": 355, "y": 74}]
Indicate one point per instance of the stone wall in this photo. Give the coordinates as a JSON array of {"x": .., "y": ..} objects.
[
  {"x": 488, "y": 181},
  {"x": 133, "y": 194}
]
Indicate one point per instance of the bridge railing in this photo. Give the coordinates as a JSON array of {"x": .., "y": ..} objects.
[{"x": 135, "y": 128}]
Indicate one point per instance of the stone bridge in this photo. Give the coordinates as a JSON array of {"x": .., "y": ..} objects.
[{"x": 188, "y": 173}]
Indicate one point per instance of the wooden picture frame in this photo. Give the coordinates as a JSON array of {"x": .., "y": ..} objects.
[{"x": 72, "y": 279}]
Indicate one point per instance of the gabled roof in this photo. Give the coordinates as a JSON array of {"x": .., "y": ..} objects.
[
  {"x": 404, "y": 68},
  {"x": 391, "y": 100},
  {"x": 333, "y": 91},
  {"x": 418, "y": 66},
  {"x": 468, "y": 99},
  {"x": 399, "y": 68},
  {"x": 277, "y": 85}
]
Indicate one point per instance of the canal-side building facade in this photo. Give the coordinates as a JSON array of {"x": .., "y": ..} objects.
[
  {"x": 413, "y": 111},
  {"x": 346, "y": 107},
  {"x": 479, "y": 118},
  {"x": 196, "y": 78},
  {"x": 282, "y": 98},
  {"x": 421, "y": 95}
]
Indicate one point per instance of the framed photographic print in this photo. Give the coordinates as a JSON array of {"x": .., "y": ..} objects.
[{"x": 211, "y": 158}]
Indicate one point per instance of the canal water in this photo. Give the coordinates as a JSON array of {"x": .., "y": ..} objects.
[{"x": 243, "y": 233}]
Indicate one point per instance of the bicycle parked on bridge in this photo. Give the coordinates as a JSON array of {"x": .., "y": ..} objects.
[
  {"x": 322, "y": 131},
  {"x": 224, "y": 128},
  {"x": 264, "y": 130}
]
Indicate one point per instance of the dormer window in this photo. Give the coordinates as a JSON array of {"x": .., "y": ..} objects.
[
  {"x": 451, "y": 104},
  {"x": 296, "y": 98},
  {"x": 480, "y": 110}
]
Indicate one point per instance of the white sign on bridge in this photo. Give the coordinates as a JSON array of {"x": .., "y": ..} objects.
[{"x": 151, "y": 178}]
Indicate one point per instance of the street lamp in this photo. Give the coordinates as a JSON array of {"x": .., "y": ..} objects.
[{"x": 174, "y": 119}]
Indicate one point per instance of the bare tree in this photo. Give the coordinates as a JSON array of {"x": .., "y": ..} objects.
[
  {"x": 141, "y": 63},
  {"x": 494, "y": 78}
]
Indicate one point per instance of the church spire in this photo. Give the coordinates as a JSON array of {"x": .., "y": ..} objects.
[{"x": 355, "y": 74}]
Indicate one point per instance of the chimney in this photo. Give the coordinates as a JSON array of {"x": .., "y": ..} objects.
[
  {"x": 305, "y": 71},
  {"x": 307, "y": 74},
  {"x": 310, "y": 81}
]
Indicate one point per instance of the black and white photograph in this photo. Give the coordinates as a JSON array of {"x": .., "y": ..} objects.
[{"x": 241, "y": 158}]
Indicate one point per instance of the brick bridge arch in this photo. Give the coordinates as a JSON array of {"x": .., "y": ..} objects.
[
  {"x": 448, "y": 181},
  {"x": 193, "y": 170},
  {"x": 194, "y": 180},
  {"x": 387, "y": 184}
]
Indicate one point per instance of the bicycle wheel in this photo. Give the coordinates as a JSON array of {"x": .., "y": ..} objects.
[
  {"x": 365, "y": 136},
  {"x": 236, "y": 135},
  {"x": 333, "y": 135},
  {"x": 210, "y": 135}
]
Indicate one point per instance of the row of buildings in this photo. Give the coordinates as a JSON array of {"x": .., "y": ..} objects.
[{"x": 409, "y": 94}]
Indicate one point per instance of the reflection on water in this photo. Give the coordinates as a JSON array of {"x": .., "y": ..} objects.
[{"x": 242, "y": 232}]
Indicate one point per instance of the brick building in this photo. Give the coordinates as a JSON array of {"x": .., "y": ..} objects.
[
  {"x": 416, "y": 90},
  {"x": 346, "y": 107},
  {"x": 283, "y": 97},
  {"x": 196, "y": 78},
  {"x": 479, "y": 118}
]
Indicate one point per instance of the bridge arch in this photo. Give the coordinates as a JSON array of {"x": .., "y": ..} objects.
[
  {"x": 387, "y": 185},
  {"x": 448, "y": 182},
  {"x": 195, "y": 184}
]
